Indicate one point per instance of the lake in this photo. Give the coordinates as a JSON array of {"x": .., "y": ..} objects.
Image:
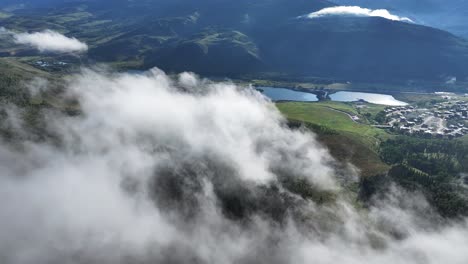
[
  {"x": 381, "y": 99},
  {"x": 283, "y": 94}
]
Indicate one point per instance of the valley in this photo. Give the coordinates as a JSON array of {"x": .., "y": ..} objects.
[
  {"x": 237, "y": 132},
  {"x": 382, "y": 154},
  {"x": 340, "y": 97}
]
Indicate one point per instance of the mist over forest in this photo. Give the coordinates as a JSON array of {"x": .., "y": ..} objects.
[
  {"x": 212, "y": 131},
  {"x": 176, "y": 170}
]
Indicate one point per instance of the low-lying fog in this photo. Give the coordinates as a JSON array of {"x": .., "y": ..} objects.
[{"x": 161, "y": 170}]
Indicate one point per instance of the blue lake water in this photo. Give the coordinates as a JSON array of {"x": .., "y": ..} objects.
[
  {"x": 381, "y": 99},
  {"x": 282, "y": 94}
]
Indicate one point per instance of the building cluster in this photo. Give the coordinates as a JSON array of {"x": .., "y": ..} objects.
[
  {"x": 444, "y": 120},
  {"x": 452, "y": 110},
  {"x": 45, "y": 64}
]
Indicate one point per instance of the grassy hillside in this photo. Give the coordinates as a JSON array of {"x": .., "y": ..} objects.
[
  {"x": 15, "y": 69},
  {"x": 210, "y": 52},
  {"x": 13, "y": 75},
  {"x": 346, "y": 139},
  {"x": 433, "y": 167}
]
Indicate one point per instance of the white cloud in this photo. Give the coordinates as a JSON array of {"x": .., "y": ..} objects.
[
  {"x": 50, "y": 41},
  {"x": 451, "y": 80},
  {"x": 357, "y": 11},
  {"x": 138, "y": 178}
]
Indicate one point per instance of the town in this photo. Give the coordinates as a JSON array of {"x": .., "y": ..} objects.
[{"x": 448, "y": 119}]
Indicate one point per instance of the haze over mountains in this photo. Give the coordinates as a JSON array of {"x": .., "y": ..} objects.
[{"x": 255, "y": 37}]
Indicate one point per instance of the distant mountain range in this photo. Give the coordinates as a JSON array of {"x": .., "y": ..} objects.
[{"x": 249, "y": 37}]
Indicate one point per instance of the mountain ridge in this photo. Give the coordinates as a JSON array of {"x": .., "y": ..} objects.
[{"x": 269, "y": 39}]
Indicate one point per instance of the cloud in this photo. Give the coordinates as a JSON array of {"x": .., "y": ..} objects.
[
  {"x": 181, "y": 170},
  {"x": 451, "y": 80},
  {"x": 50, "y": 41},
  {"x": 356, "y": 11}
]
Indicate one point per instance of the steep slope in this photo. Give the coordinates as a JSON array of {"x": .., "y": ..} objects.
[{"x": 12, "y": 75}]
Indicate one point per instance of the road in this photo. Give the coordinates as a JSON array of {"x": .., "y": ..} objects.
[
  {"x": 438, "y": 122},
  {"x": 343, "y": 112}
]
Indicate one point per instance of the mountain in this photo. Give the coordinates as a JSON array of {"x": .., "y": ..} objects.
[
  {"x": 367, "y": 48},
  {"x": 12, "y": 75},
  {"x": 211, "y": 52},
  {"x": 13, "y": 72},
  {"x": 225, "y": 38},
  {"x": 448, "y": 15},
  {"x": 410, "y": 5}
]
